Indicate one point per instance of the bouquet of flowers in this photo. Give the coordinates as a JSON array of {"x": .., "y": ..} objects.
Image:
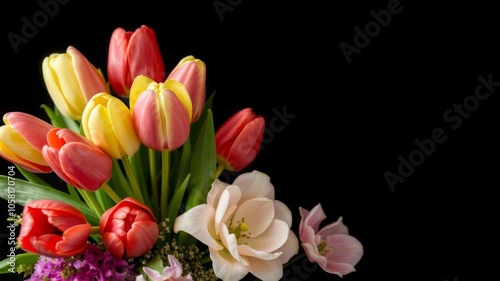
[{"x": 138, "y": 161}]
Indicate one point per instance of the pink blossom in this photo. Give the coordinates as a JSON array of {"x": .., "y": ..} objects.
[{"x": 331, "y": 247}]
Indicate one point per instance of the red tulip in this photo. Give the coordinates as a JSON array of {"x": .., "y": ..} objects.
[
  {"x": 53, "y": 228},
  {"x": 76, "y": 160},
  {"x": 22, "y": 139},
  {"x": 238, "y": 140},
  {"x": 128, "y": 229},
  {"x": 132, "y": 54}
]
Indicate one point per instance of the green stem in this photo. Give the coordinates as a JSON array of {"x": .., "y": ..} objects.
[
  {"x": 124, "y": 184},
  {"x": 133, "y": 180},
  {"x": 112, "y": 194},
  {"x": 296, "y": 258},
  {"x": 91, "y": 201},
  {"x": 94, "y": 230},
  {"x": 165, "y": 167},
  {"x": 220, "y": 169},
  {"x": 154, "y": 177}
]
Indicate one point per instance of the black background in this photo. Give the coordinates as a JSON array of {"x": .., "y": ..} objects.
[{"x": 347, "y": 122}]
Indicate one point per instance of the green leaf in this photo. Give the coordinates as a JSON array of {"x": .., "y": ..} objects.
[
  {"x": 156, "y": 263},
  {"x": 203, "y": 164},
  {"x": 57, "y": 121},
  {"x": 175, "y": 203},
  {"x": 197, "y": 126},
  {"x": 32, "y": 177},
  {"x": 26, "y": 191},
  {"x": 7, "y": 266}
]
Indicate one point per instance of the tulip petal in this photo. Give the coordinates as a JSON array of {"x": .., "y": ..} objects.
[
  {"x": 89, "y": 167},
  {"x": 225, "y": 267},
  {"x": 32, "y": 128},
  {"x": 141, "y": 238},
  {"x": 176, "y": 120},
  {"x": 144, "y": 56},
  {"x": 344, "y": 249},
  {"x": 91, "y": 80},
  {"x": 118, "y": 70},
  {"x": 139, "y": 85},
  {"x": 74, "y": 240},
  {"x": 198, "y": 221},
  {"x": 147, "y": 120},
  {"x": 254, "y": 184},
  {"x": 113, "y": 244},
  {"x": 258, "y": 214},
  {"x": 123, "y": 126},
  {"x": 266, "y": 269},
  {"x": 271, "y": 239}
]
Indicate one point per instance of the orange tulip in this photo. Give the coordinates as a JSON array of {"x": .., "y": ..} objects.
[
  {"x": 53, "y": 228},
  {"x": 238, "y": 140},
  {"x": 132, "y": 54},
  {"x": 128, "y": 229},
  {"x": 22, "y": 139},
  {"x": 76, "y": 160}
]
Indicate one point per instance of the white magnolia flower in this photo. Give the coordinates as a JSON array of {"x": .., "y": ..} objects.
[{"x": 245, "y": 229}]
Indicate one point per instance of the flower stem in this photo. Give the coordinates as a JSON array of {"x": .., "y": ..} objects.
[
  {"x": 296, "y": 258},
  {"x": 133, "y": 180},
  {"x": 94, "y": 230},
  {"x": 220, "y": 169},
  {"x": 165, "y": 167},
  {"x": 111, "y": 192},
  {"x": 91, "y": 201},
  {"x": 154, "y": 177}
]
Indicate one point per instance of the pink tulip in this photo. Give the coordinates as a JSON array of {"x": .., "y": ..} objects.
[
  {"x": 238, "y": 140},
  {"x": 53, "y": 228},
  {"x": 192, "y": 73},
  {"x": 162, "y": 114},
  {"x": 76, "y": 160},
  {"x": 132, "y": 54},
  {"x": 22, "y": 139},
  {"x": 331, "y": 247},
  {"x": 128, "y": 229}
]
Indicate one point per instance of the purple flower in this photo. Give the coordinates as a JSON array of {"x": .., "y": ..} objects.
[{"x": 93, "y": 264}]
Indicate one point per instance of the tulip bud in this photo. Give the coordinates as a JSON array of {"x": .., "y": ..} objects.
[
  {"x": 53, "y": 228},
  {"x": 192, "y": 73},
  {"x": 238, "y": 140},
  {"x": 132, "y": 54},
  {"x": 107, "y": 122},
  {"x": 71, "y": 81},
  {"x": 22, "y": 139},
  {"x": 76, "y": 160},
  {"x": 161, "y": 113},
  {"x": 128, "y": 229}
]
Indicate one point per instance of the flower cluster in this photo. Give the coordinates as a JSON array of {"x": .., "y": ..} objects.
[{"x": 141, "y": 160}]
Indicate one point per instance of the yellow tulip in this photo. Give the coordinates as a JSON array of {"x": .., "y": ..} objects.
[
  {"x": 71, "y": 81},
  {"x": 107, "y": 122}
]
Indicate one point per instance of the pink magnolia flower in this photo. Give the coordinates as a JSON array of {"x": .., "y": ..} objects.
[
  {"x": 171, "y": 273},
  {"x": 244, "y": 227},
  {"x": 331, "y": 247}
]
